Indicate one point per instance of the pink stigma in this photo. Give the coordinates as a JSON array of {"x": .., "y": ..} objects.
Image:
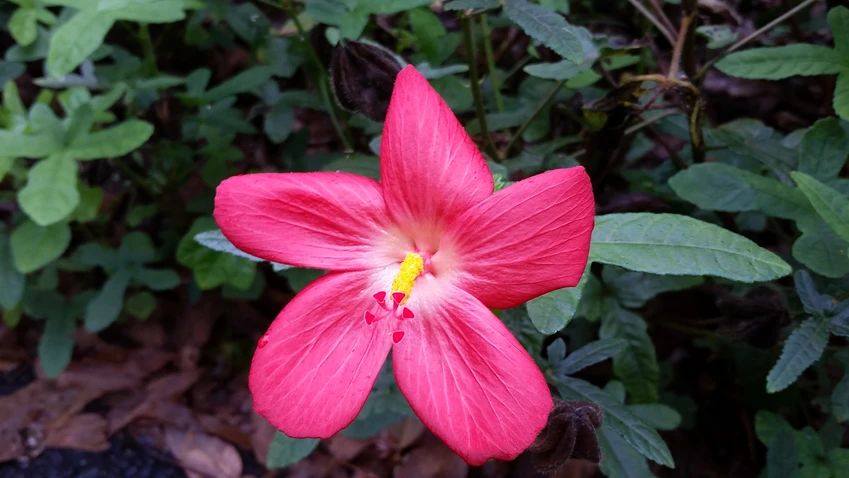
[
  {"x": 397, "y": 297},
  {"x": 397, "y": 336},
  {"x": 380, "y": 297},
  {"x": 369, "y": 317},
  {"x": 407, "y": 314},
  {"x": 263, "y": 341}
]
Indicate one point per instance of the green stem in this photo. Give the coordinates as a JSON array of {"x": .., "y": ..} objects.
[
  {"x": 490, "y": 64},
  {"x": 148, "y": 52},
  {"x": 320, "y": 77},
  {"x": 541, "y": 106},
  {"x": 471, "y": 57}
]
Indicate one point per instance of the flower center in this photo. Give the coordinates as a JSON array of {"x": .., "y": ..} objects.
[{"x": 411, "y": 268}]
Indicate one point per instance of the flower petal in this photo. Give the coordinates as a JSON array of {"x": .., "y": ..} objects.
[
  {"x": 314, "y": 368},
  {"x": 430, "y": 169},
  {"x": 334, "y": 221},
  {"x": 466, "y": 376},
  {"x": 528, "y": 239}
]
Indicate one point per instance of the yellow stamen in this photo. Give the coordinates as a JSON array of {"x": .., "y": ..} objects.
[{"x": 410, "y": 270}]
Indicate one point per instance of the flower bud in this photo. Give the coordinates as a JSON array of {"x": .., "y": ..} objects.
[
  {"x": 362, "y": 76},
  {"x": 569, "y": 433}
]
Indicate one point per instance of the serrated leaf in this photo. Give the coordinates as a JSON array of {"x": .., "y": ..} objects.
[
  {"x": 561, "y": 70},
  {"x": 642, "y": 437},
  {"x": 662, "y": 417},
  {"x": 12, "y": 281},
  {"x": 72, "y": 42},
  {"x": 681, "y": 245},
  {"x": 619, "y": 458},
  {"x": 35, "y": 246},
  {"x": 813, "y": 302},
  {"x": 821, "y": 249},
  {"x": 838, "y": 21},
  {"x": 840, "y": 399},
  {"x": 285, "y": 451},
  {"x": 113, "y": 142},
  {"x": 216, "y": 241},
  {"x": 634, "y": 289},
  {"x": 829, "y": 204},
  {"x": 776, "y": 63},
  {"x": 782, "y": 457},
  {"x": 56, "y": 344},
  {"x": 547, "y": 27},
  {"x": 23, "y": 26},
  {"x": 104, "y": 309},
  {"x": 591, "y": 354},
  {"x": 245, "y": 81},
  {"x": 552, "y": 311},
  {"x": 50, "y": 194},
  {"x": 721, "y": 187},
  {"x": 804, "y": 347},
  {"x": 824, "y": 149},
  {"x": 636, "y": 365}
]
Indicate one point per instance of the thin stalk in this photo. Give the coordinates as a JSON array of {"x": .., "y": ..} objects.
[
  {"x": 147, "y": 50},
  {"x": 540, "y": 106},
  {"x": 321, "y": 77},
  {"x": 646, "y": 13},
  {"x": 635, "y": 128},
  {"x": 754, "y": 35},
  {"x": 490, "y": 64},
  {"x": 679, "y": 47},
  {"x": 471, "y": 57}
]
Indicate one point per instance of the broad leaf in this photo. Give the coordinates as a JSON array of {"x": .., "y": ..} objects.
[
  {"x": 619, "y": 419},
  {"x": 471, "y": 5},
  {"x": 838, "y": 21},
  {"x": 840, "y": 399},
  {"x": 832, "y": 206},
  {"x": 841, "y": 96},
  {"x": 12, "y": 282},
  {"x": 662, "y": 417},
  {"x": 285, "y": 451},
  {"x": 804, "y": 347},
  {"x": 636, "y": 365},
  {"x": 51, "y": 191},
  {"x": 212, "y": 268},
  {"x": 157, "y": 279},
  {"x": 547, "y": 27},
  {"x": 824, "y": 149},
  {"x": 553, "y": 311},
  {"x": 35, "y": 246},
  {"x": 782, "y": 457},
  {"x": 813, "y": 302},
  {"x": 681, "y": 245},
  {"x": 104, "y": 309},
  {"x": 618, "y": 457},
  {"x": 23, "y": 26},
  {"x": 245, "y": 81},
  {"x": 38, "y": 145},
  {"x": 57, "y": 344},
  {"x": 781, "y": 62},
  {"x": 113, "y": 142},
  {"x": 821, "y": 249},
  {"x": 591, "y": 354},
  {"x": 72, "y": 42}
]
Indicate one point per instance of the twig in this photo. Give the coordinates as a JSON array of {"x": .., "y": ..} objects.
[
  {"x": 490, "y": 65},
  {"x": 679, "y": 47},
  {"x": 646, "y": 13},
  {"x": 321, "y": 76},
  {"x": 661, "y": 15},
  {"x": 751, "y": 37},
  {"x": 635, "y": 128},
  {"x": 471, "y": 57},
  {"x": 540, "y": 106}
]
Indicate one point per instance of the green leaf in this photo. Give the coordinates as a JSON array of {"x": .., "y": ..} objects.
[
  {"x": 89, "y": 206},
  {"x": 12, "y": 282},
  {"x": 591, "y": 354},
  {"x": 781, "y": 62},
  {"x": 634, "y": 289},
  {"x": 830, "y": 204},
  {"x": 35, "y": 246},
  {"x": 428, "y": 30},
  {"x": 80, "y": 122},
  {"x": 821, "y": 249},
  {"x": 51, "y": 191},
  {"x": 636, "y": 432},
  {"x": 72, "y": 42},
  {"x": 140, "y": 305},
  {"x": 23, "y": 26},
  {"x": 636, "y": 365},
  {"x": 619, "y": 458},
  {"x": 285, "y": 451},
  {"x": 824, "y": 149},
  {"x": 718, "y": 36},
  {"x": 813, "y": 302},
  {"x": 245, "y": 81},
  {"x": 840, "y": 399},
  {"x": 104, "y": 309},
  {"x": 804, "y": 347},
  {"x": 841, "y": 96},
  {"x": 782, "y": 457},
  {"x": 680, "y": 245},
  {"x": 471, "y": 5},
  {"x": 211, "y": 268},
  {"x": 57, "y": 344},
  {"x": 720, "y": 187},
  {"x": 547, "y": 27},
  {"x": 662, "y": 417},
  {"x": 113, "y": 142},
  {"x": 768, "y": 424},
  {"x": 561, "y": 70},
  {"x": 216, "y": 241},
  {"x": 552, "y": 311},
  {"x": 279, "y": 122},
  {"x": 838, "y": 20},
  {"x": 39, "y": 145},
  {"x": 157, "y": 279},
  {"x": 361, "y": 164}
]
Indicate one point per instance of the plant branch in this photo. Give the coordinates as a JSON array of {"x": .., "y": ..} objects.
[
  {"x": 540, "y": 106},
  {"x": 490, "y": 65},
  {"x": 471, "y": 57},
  {"x": 646, "y": 13},
  {"x": 679, "y": 48},
  {"x": 754, "y": 35}
]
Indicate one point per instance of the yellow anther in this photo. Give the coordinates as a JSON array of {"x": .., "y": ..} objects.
[{"x": 410, "y": 269}]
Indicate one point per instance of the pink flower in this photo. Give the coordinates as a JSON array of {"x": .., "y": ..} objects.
[{"x": 417, "y": 259}]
